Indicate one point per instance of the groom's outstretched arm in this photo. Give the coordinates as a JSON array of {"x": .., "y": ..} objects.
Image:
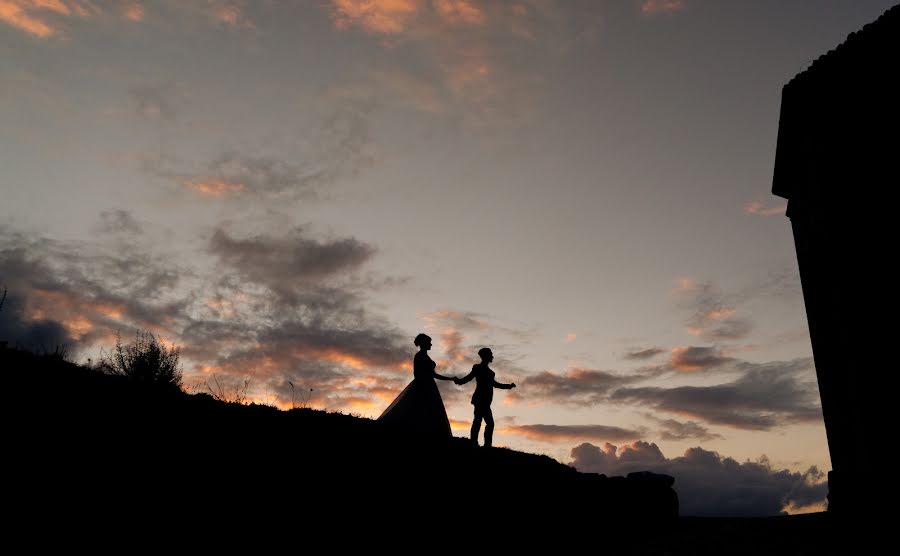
[{"x": 504, "y": 386}]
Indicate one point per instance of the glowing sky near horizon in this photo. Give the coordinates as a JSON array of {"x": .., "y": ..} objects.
[{"x": 291, "y": 191}]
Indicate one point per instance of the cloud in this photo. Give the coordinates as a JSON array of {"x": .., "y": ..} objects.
[
  {"x": 689, "y": 359},
  {"x": 656, "y": 7},
  {"x": 16, "y": 328},
  {"x": 460, "y": 334},
  {"x": 342, "y": 366},
  {"x": 118, "y": 222},
  {"x": 379, "y": 17},
  {"x": 291, "y": 166},
  {"x": 673, "y": 430},
  {"x": 643, "y": 354},
  {"x": 213, "y": 186},
  {"x": 261, "y": 174},
  {"x": 556, "y": 433},
  {"x": 231, "y": 321},
  {"x": 282, "y": 263},
  {"x": 133, "y": 11},
  {"x": 394, "y": 17},
  {"x": 766, "y": 396},
  {"x": 42, "y": 18},
  {"x": 474, "y": 60},
  {"x": 229, "y": 13},
  {"x": 758, "y": 209},
  {"x": 300, "y": 322},
  {"x": 713, "y": 316},
  {"x": 85, "y": 290},
  {"x": 571, "y": 337},
  {"x": 580, "y": 387},
  {"x": 460, "y": 12},
  {"x": 709, "y": 484}
]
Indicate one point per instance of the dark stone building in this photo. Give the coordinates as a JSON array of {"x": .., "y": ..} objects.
[{"x": 837, "y": 163}]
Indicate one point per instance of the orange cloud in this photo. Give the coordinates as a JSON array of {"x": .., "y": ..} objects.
[
  {"x": 457, "y": 425},
  {"x": 691, "y": 359},
  {"x": 568, "y": 433},
  {"x": 680, "y": 363},
  {"x": 757, "y": 208},
  {"x": 378, "y": 17},
  {"x": 230, "y": 14},
  {"x": 719, "y": 314},
  {"x": 654, "y": 7},
  {"x": 571, "y": 337},
  {"x": 83, "y": 318},
  {"x": 222, "y": 307},
  {"x": 110, "y": 310},
  {"x": 359, "y": 404},
  {"x": 452, "y": 340},
  {"x": 78, "y": 326},
  {"x": 31, "y": 15},
  {"x": 345, "y": 359},
  {"x": 213, "y": 187},
  {"x": 44, "y": 18},
  {"x": 133, "y": 11},
  {"x": 459, "y": 12}
]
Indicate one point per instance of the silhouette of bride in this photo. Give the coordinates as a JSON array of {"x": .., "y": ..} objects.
[{"x": 419, "y": 407}]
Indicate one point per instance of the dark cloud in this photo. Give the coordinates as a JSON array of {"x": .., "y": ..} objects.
[
  {"x": 336, "y": 356},
  {"x": 41, "y": 335},
  {"x": 555, "y": 433},
  {"x": 231, "y": 327},
  {"x": 695, "y": 358},
  {"x": 260, "y": 174},
  {"x": 765, "y": 396},
  {"x": 670, "y": 429},
  {"x": 709, "y": 484},
  {"x": 286, "y": 262},
  {"x": 118, "y": 222},
  {"x": 713, "y": 316},
  {"x": 283, "y": 312},
  {"x": 75, "y": 293},
  {"x": 582, "y": 387},
  {"x": 300, "y": 164},
  {"x": 643, "y": 354}
]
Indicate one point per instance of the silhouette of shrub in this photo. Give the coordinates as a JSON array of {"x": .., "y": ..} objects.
[
  {"x": 145, "y": 359},
  {"x": 221, "y": 393}
]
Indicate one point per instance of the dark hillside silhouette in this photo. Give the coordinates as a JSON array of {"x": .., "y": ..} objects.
[
  {"x": 837, "y": 164},
  {"x": 115, "y": 441},
  {"x": 104, "y": 457}
]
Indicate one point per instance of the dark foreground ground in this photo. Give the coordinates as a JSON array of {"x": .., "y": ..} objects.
[{"x": 103, "y": 456}]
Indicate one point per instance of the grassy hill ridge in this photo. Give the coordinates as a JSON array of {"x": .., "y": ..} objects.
[
  {"x": 121, "y": 434},
  {"x": 89, "y": 446}
]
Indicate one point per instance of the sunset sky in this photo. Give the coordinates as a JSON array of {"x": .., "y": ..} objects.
[{"x": 291, "y": 191}]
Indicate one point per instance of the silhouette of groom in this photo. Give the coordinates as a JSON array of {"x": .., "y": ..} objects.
[{"x": 484, "y": 395}]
